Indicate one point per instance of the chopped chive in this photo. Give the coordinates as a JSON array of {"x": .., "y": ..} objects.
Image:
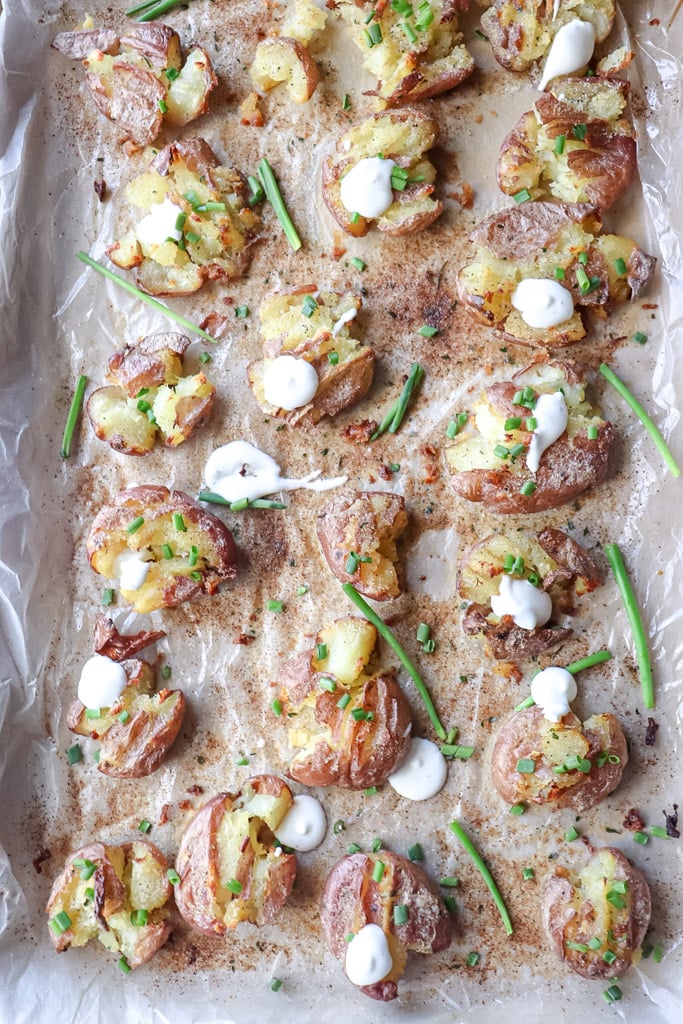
[
  {"x": 472, "y": 959},
  {"x": 387, "y": 635},
  {"x": 559, "y": 273},
  {"x": 416, "y": 853},
  {"x": 351, "y": 563},
  {"x": 583, "y": 258},
  {"x": 517, "y": 450},
  {"x": 241, "y": 312},
  {"x": 179, "y": 522},
  {"x": 427, "y": 331},
  {"x": 580, "y": 947},
  {"x": 642, "y": 838},
  {"x": 559, "y": 144},
  {"x": 477, "y": 860},
  {"x": 339, "y": 826},
  {"x": 122, "y": 962},
  {"x": 454, "y": 750},
  {"x": 346, "y": 102},
  {"x": 613, "y": 994},
  {"x": 60, "y": 922},
  {"x": 353, "y": 848},
  {"x": 166, "y": 672},
  {"x": 517, "y": 810},
  {"x": 167, "y": 550},
  {"x": 144, "y": 826},
  {"x": 135, "y": 525},
  {"x": 579, "y": 131},
  {"x": 528, "y": 874},
  {"x": 355, "y": 217},
  {"x": 108, "y": 596},
  {"x": 173, "y": 876},
  {"x": 659, "y": 832},
  {"x": 451, "y": 430},
  {"x": 96, "y": 756},
  {"x": 170, "y": 73},
  {"x": 531, "y": 423},
  {"x": 359, "y": 714},
  {"x": 449, "y": 882},
  {"x": 256, "y": 192},
  {"x": 501, "y": 451},
  {"x": 89, "y": 894},
  {"x": 163, "y": 106},
  {"x": 408, "y": 32},
  {"x": 423, "y": 631},
  {"x": 371, "y": 791},
  {"x": 620, "y": 267},
  {"x": 640, "y": 337},
  {"x": 74, "y": 754},
  {"x": 72, "y": 418},
  {"x": 180, "y": 220},
  {"x": 234, "y": 886},
  {"x": 376, "y": 845},
  {"x": 139, "y": 917},
  {"x": 333, "y": 358},
  {"x": 616, "y": 899},
  {"x": 392, "y": 421},
  {"x": 594, "y": 943},
  {"x": 274, "y": 606},
  {"x": 240, "y": 505},
  {"x": 274, "y": 196},
  {"x": 528, "y": 488},
  {"x": 592, "y": 433},
  {"x": 658, "y": 953},
  {"x": 375, "y": 34},
  {"x": 242, "y": 761},
  {"x": 429, "y": 646},
  {"x": 522, "y": 196},
  {"x": 583, "y": 280},
  {"x": 321, "y": 652},
  {"x": 534, "y": 579},
  {"x": 303, "y": 589},
  {"x": 571, "y": 835},
  {"x": 196, "y": 576},
  {"x": 349, "y": 937},
  {"x": 358, "y": 263},
  {"x": 309, "y": 306},
  {"x": 514, "y": 423},
  {"x": 93, "y": 713},
  {"x": 123, "y": 717},
  {"x": 401, "y": 914},
  {"x": 275, "y": 984},
  {"x": 276, "y": 707},
  {"x": 616, "y": 561},
  {"x": 526, "y": 766},
  {"x": 327, "y": 684},
  {"x": 210, "y": 207},
  {"x": 518, "y": 566},
  {"x": 194, "y": 554},
  {"x": 395, "y": 467},
  {"x": 378, "y": 871}
]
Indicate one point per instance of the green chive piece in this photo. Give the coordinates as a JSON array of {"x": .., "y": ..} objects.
[
  {"x": 592, "y": 433},
  {"x": 429, "y": 646},
  {"x": 163, "y": 106},
  {"x": 309, "y": 306},
  {"x": 303, "y": 589},
  {"x": 333, "y": 358},
  {"x": 349, "y": 937},
  {"x": 257, "y": 193},
  {"x": 427, "y": 331},
  {"x": 173, "y": 876},
  {"x": 620, "y": 267},
  {"x": 234, "y": 886},
  {"x": 472, "y": 959},
  {"x": 339, "y": 826},
  {"x": 196, "y": 576},
  {"x": 451, "y": 430},
  {"x": 123, "y": 717},
  {"x": 616, "y": 899},
  {"x": 144, "y": 826},
  {"x": 423, "y": 631},
  {"x": 559, "y": 144},
  {"x": 166, "y": 672},
  {"x": 640, "y": 337},
  {"x": 579, "y": 131},
  {"x": 531, "y": 423},
  {"x": 450, "y": 882},
  {"x": 387, "y": 635},
  {"x": 351, "y": 563},
  {"x": 583, "y": 258},
  {"x": 327, "y": 684},
  {"x": 122, "y": 962},
  {"x": 242, "y": 761},
  {"x": 139, "y": 917},
  {"x": 74, "y": 754},
  {"x": 613, "y": 994},
  {"x": 642, "y": 838},
  {"x": 72, "y": 418},
  {"x": 344, "y": 701},
  {"x": 526, "y": 766},
  {"x": 355, "y": 217},
  {"x": 517, "y": 810},
  {"x": 194, "y": 554},
  {"x": 353, "y": 848},
  {"x": 522, "y": 196},
  {"x": 528, "y": 874},
  {"x": 135, "y": 525},
  {"x": 528, "y": 488},
  {"x": 594, "y": 943},
  {"x": 167, "y": 550},
  {"x": 378, "y": 871},
  {"x": 376, "y": 845},
  {"x": 478, "y": 862},
  {"x": 241, "y": 312},
  {"x": 559, "y": 273},
  {"x": 346, "y": 102},
  {"x": 416, "y": 853},
  {"x": 276, "y": 707},
  {"x": 392, "y": 421},
  {"x": 108, "y": 595},
  {"x": 272, "y": 190},
  {"x": 571, "y": 835},
  {"x": 616, "y": 561},
  {"x": 358, "y": 263},
  {"x": 275, "y": 984},
  {"x": 62, "y": 920},
  {"x": 454, "y": 750},
  {"x": 583, "y": 280},
  {"x": 580, "y": 947},
  {"x": 501, "y": 451},
  {"x": 659, "y": 832},
  {"x": 514, "y": 423},
  {"x": 658, "y": 953},
  {"x": 321, "y": 652},
  {"x": 371, "y": 791},
  {"x": 179, "y": 523},
  {"x": 401, "y": 914},
  {"x": 408, "y": 32}
]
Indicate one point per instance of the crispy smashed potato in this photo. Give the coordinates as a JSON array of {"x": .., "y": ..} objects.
[
  {"x": 550, "y": 560},
  {"x": 186, "y": 550},
  {"x": 604, "y": 909},
  {"x": 552, "y": 241},
  {"x": 410, "y": 64},
  {"x": 488, "y": 462},
  {"x": 403, "y": 136},
  {"x": 358, "y": 534},
  {"x": 117, "y": 894},
  {"x": 230, "y": 864},
  {"x": 360, "y": 743},
  {"x": 352, "y": 899},
  {"x": 141, "y": 82},
  {"x": 321, "y": 336},
  {"x": 522, "y": 31},
  {"x": 576, "y": 145},
  {"x": 150, "y": 397},
  {"x": 285, "y": 60},
  {"x": 597, "y": 746},
  {"x": 213, "y": 219}
]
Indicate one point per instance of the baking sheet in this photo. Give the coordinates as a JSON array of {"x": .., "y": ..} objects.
[{"x": 58, "y": 321}]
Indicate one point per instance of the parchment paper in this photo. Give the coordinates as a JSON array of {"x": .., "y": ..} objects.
[{"x": 59, "y": 320}]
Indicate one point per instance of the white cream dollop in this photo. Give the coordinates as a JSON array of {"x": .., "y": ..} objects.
[
  {"x": 289, "y": 383},
  {"x": 551, "y": 415},
  {"x": 570, "y": 50},
  {"x": 304, "y": 826},
  {"x": 366, "y": 189},
  {"x": 368, "y": 958},
  {"x": 102, "y": 682},
  {"x": 528, "y": 606},
  {"x": 553, "y": 689},
  {"x": 239, "y": 470},
  {"x": 131, "y": 567},
  {"x": 345, "y": 318},
  {"x": 423, "y": 773},
  {"x": 160, "y": 224},
  {"x": 543, "y": 303}
]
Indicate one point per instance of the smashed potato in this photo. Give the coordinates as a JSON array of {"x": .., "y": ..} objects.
[
  {"x": 488, "y": 461},
  {"x": 141, "y": 82},
  {"x": 559, "y": 242},
  {"x": 575, "y": 764},
  {"x": 164, "y": 542},
  {"x": 550, "y": 560},
  {"x": 210, "y": 229},
  {"x": 117, "y": 894},
  {"x": 411, "y": 63},
  {"x": 350, "y": 726},
  {"x": 150, "y": 398},
  {"x": 230, "y": 864},
  {"x": 522, "y": 31},
  {"x": 401, "y": 136},
  {"x": 358, "y": 534},
  {"x": 285, "y": 60},
  {"x": 576, "y": 145},
  {"x": 316, "y": 330},
  {"x": 352, "y": 898},
  {"x": 604, "y": 910}
]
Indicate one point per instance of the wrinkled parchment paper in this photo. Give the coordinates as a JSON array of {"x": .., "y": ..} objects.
[{"x": 59, "y": 320}]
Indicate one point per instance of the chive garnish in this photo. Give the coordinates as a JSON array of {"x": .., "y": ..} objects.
[
  {"x": 275, "y": 984},
  {"x": 378, "y": 871},
  {"x": 571, "y": 835},
  {"x": 528, "y": 488},
  {"x": 449, "y": 882},
  {"x": 387, "y": 635},
  {"x": 167, "y": 550},
  {"x": 393, "y": 419},
  {"x": 139, "y": 917},
  {"x": 274, "y": 196},
  {"x": 333, "y": 358},
  {"x": 276, "y": 707},
  {"x": 344, "y": 701},
  {"x": 357, "y": 262},
  {"x": 416, "y": 853},
  {"x": 517, "y": 810},
  {"x": 658, "y": 832},
  {"x": 327, "y": 684},
  {"x": 74, "y": 754},
  {"x": 241, "y": 312},
  {"x": 616, "y": 561},
  {"x": 647, "y": 422},
  {"x": 123, "y": 717},
  {"x": 454, "y": 750},
  {"x": 559, "y": 273},
  {"x": 144, "y": 826},
  {"x": 346, "y": 102},
  {"x": 528, "y": 874},
  {"x": 642, "y": 838},
  {"x": 166, "y": 672},
  {"x": 108, "y": 595},
  {"x": 579, "y": 131},
  {"x": 522, "y": 196},
  {"x": 559, "y": 144},
  {"x": 478, "y": 862},
  {"x": 72, "y": 418},
  {"x": 238, "y": 506},
  {"x": 427, "y": 331},
  {"x": 612, "y": 994},
  {"x": 234, "y": 886},
  {"x": 173, "y": 876},
  {"x": 401, "y": 914},
  {"x": 472, "y": 959},
  {"x": 640, "y": 338},
  {"x": 526, "y": 766},
  {"x": 274, "y": 606},
  {"x": 353, "y": 848}
]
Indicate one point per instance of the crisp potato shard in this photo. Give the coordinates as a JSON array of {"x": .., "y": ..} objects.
[{"x": 284, "y": 60}]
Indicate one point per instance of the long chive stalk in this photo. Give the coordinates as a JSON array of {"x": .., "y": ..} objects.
[
  {"x": 72, "y": 418},
  {"x": 238, "y": 506},
  {"x": 393, "y": 419},
  {"x": 614, "y": 557},
  {"x": 387, "y": 635},
  {"x": 154, "y": 9},
  {"x": 576, "y": 666},
  {"x": 478, "y": 862},
  {"x": 644, "y": 418},
  {"x": 274, "y": 196},
  {"x": 154, "y": 303}
]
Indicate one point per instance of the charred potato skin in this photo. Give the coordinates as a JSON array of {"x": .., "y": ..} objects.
[
  {"x": 199, "y": 864},
  {"x": 570, "y": 912},
  {"x": 403, "y": 136},
  {"x": 351, "y": 899},
  {"x": 522, "y": 737},
  {"x": 115, "y": 893},
  {"x": 169, "y": 582},
  {"x": 364, "y": 523}
]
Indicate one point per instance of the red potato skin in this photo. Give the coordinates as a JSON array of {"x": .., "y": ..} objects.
[
  {"x": 119, "y": 646},
  {"x": 518, "y": 739},
  {"x": 142, "y": 365},
  {"x": 557, "y": 912},
  {"x": 78, "y": 45},
  {"x": 351, "y": 899},
  {"x": 133, "y": 104}
]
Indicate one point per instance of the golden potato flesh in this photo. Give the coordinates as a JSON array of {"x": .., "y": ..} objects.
[
  {"x": 428, "y": 59},
  {"x": 317, "y": 330},
  {"x": 403, "y": 136},
  {"x": 117, "y": 894},
  {"x": 213, "y": 218},
  {"x": 285, "y": 60}
]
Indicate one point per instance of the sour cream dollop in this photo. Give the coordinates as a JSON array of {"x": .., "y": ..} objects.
[
  {"x": 366, "y": 189},
  {"x": 542, "y": 303},
  {"x": 553, "y": 689},
  {"x": 102, "y": 682},
  {"x": 571, "y": 49},
  {"x": 528, "y": 606},
  {"x": 289, "y": 383},
  {"x": 368, "y": 958},
  {"x": 132, "y": 569},
  {"x": 240, "y": 470},
  {"x": 160, "y": 224},
  {"x": 550, "y": 413},
  {"x": 423, "y": 773},
  {"x": 304, "y": 826}
]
